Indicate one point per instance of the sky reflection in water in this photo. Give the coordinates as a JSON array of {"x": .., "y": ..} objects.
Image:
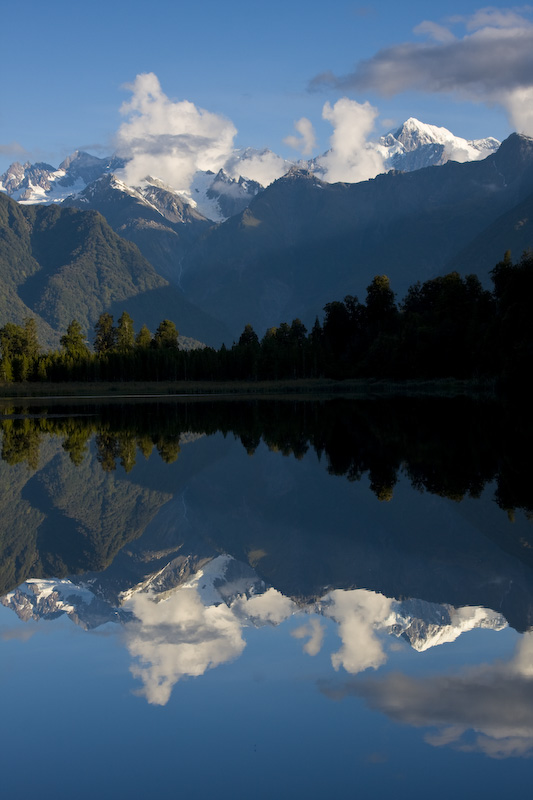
[{"x": 241, "y": 658}]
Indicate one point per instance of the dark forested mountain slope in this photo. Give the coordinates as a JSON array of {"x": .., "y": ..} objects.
[
  {"x": 512, "y": 231},
  {"x": 300, "y": 244},
  {"x": 159, "y": 222},
  {"x": 303, "y": 242},
  {"x": 62, "y": 263}
]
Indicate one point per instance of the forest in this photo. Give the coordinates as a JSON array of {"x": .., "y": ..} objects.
[{"x": 446, "y": 327}]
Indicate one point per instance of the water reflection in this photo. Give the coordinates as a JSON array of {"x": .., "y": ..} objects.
[
  {"x": 350, "y": 527},
  {"x": 199, "y": 624},
  {"x": 452, "y": 448},
  {"x": 487, "y": 708}
]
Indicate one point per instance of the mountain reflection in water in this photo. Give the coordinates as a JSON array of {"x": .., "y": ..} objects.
[
  {"x": 360, "y": 528},
  {"x": 198, "y": 625}
]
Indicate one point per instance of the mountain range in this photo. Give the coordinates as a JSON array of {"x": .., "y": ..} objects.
[
  {"x": 226, "y": 251},
  {"x": 59, "y": 263},
  {"x": 222, "y": 579},
  {"x": 303, "y": 242},
  {"x": 154, "y": 520}
]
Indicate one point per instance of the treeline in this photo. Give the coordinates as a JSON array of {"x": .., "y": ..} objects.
[
  {"x": 446, "y": 327},
  {"x": 22, "y": 436},
  {"x": 453, "y": 448},
  {"x": 117, "y": 353}
]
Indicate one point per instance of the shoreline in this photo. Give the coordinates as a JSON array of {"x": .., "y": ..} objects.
[{"x": 302, "y": 388}]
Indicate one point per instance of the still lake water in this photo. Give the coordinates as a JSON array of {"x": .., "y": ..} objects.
[{"x": 288, "y": 599}]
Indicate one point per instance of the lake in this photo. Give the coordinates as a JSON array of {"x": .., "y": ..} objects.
[{"x": 276, "y": 598}]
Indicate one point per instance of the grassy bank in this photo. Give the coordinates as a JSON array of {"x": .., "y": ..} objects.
[{"x": 316, "y": 387}]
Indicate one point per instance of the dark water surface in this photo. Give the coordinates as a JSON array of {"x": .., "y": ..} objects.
[{"x": 267, "y": 599}]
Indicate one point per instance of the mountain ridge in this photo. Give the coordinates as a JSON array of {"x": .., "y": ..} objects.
[
  {"x": 58, "y": 263},
  {"x": 218, "y": 196},
  {"x": 302, "y": 242}
]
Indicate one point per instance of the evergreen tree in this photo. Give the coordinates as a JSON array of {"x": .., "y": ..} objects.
[
  {"x": 20, "y": 340},
  {"x": 6, "y": 369},
  {"x": 105, "y": 334},
  {"x": 125, "y": 337},
  {"x": 74, "y": 342},
  {"x": 248, "y": 337},
  {"x": 31, "y": 344},
  {"x": 166, "y": 335},
  {"x": 143, "y": 340},
  {"x": 380, "y": 306}
]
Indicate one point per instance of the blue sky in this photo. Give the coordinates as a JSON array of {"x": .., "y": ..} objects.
[{"x": 65, "y": 66}]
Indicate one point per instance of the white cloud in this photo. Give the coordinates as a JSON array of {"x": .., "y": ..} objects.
[
  {"x": 271, "y": 607},
  {"x": 169, "y": 139},
  {"x": 519, "y": 105},
  {"x": 487, "y": 709},
  {"x": 262, "y": 166},
  {"x": 305, "y": 143},
  {"x": 349, "y": 159},
  {"x": 437, "y": 32},
  {"x": 492, "y": 63},
  {"x": 191, "y": 630},
  {"x": 178, "y": 637},
  {"x": 491, "y": 17},
  {"x": 359, "y": 613},
  {"x": 314, "y": 631}
]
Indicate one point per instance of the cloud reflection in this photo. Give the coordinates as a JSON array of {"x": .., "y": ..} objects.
[
  {"x": 179, "y": 637},
  {"x": 315, "y": 631},
  {"x": 192, "y": 629},
  {"x": 359, "y": 614},
  {"x": 487, "y": 709}
]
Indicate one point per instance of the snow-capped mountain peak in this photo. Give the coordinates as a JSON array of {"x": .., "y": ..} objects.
[
  {"x": 217, "y": 196},
  {"x": 416, "y": 144},
  {"x": 43, "y": 183}
]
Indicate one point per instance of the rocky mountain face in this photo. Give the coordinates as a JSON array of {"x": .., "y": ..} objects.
[
  {"x": 416, "y": 145},
  {"x": 220, "y": 196},
  {"x": 211, "y": 196},
  {"x": 42, "y": 183}
]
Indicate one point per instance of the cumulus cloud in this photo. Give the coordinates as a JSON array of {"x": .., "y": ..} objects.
[
  {"x": 262, "y": 166},
  {"x": 359, "y": 614},
  {"x": 486, "y": 709},
  {"x": 313, "y": 631},
  {"x": 306, "y": 141},
  {"x": 491, "y": 17},
  {"x": 349, "y": 158},
  {"x": 492, "y": 62},
  {"x": 178, "y": 637},
  {"x": 519, "y": 104},
  {"x": 271, "y": 607},
  {"x": 438, "y": 32},
  {"x": 169, "y": 139}
]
